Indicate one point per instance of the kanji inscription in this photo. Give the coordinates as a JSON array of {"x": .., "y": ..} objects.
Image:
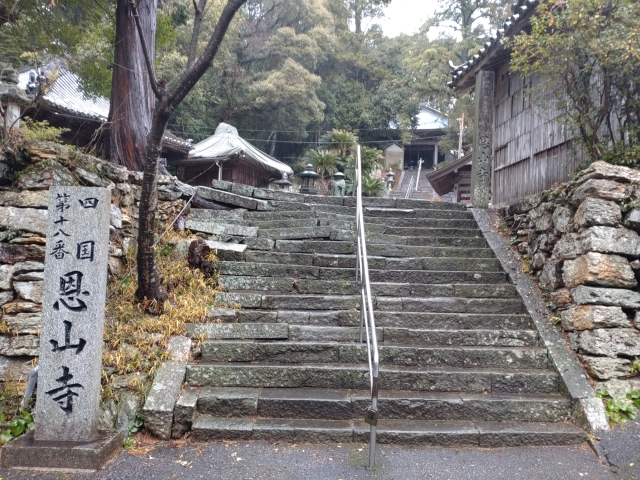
[{"x": 73, "y": 314}]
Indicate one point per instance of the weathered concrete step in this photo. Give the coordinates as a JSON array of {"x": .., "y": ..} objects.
[
  {"x": 462, "y": 224},
  {"x": 433, "y": 232},
  {"x": 442, "y": 321},
  {"x": 389, "y": 304},
  {"x": 489, "y": 338},
  {"x": 407, "y": 405},
  {"x": 271, "y": 331},
  {"x": 381, "y": 250},
  {"x": 480, "y": 434},
  {"x": 292, "y": 352},
  {"x": 273, "y": 216},
  {"x": 295, "y": 233},
  {"x": 435, "y": 379},
  {"x": 311, "y": 246},
  {"x": 310, "y": 403},
  {"x": 480, "y": 242},
  {"x": 387, "y": 235},
  {"x": 232, "y": 199},
  {"x": 237, "y": 283},
  {"x": 418, "y": 276},
  {"x": 285, "y": 223},
  {"x": 450, "y": 305},
  {"x": 418, "y": 213},
  {"x": 427, "y": 205},
  {"x": 432, "y": 433},
  {"x": 219, "y": 228}
]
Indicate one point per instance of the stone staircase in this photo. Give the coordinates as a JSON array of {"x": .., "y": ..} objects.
[
  {"x": 461, "y": 362},
  {"x": 425, "y": 190}
]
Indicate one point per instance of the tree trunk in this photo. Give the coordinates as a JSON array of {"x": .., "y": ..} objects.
[
  {"x": 132, "y": 99},
  {"x": 273, "y": 144},
  {"x": 149, "y": 286}
]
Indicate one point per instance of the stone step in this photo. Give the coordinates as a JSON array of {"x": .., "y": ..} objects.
[
  {"x": 462, "y": 224},
  {"x": 447, "y": 241},
  {"x": 235, "y": 283},
  {"x": 272, "y": 216},
  {"x": 233, "y": 331},
  {"x": 426, "y": 205},
  {"x": 234, "y": 199},
  {"x": 418, "y": 232},
  {"x": 389, "y": 304},
  {"x": 295, "y": 233},
  {"x": 309, "y": 403},
  {"x": 460, "y": 338},
  {"x": 426, "y": 432},
  {"x": 435, "y": 379},
  {"x": 285, "y": 223},
  {"x": 311, "y": 246},
  {"x": 294, "y": 271},
  {"x": 292, "y": 352},
  {"x": 418, "y": 213},
  {"x": 380, "y": 250},
  {"x": 420, "y": 321}
]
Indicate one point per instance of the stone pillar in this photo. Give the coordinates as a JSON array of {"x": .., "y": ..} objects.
[{"x": 482, "y": 140}]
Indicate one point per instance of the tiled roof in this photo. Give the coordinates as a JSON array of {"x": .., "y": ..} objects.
[
  {"x": 64, "y": 94},
  {"x": 524, "y": 9}
]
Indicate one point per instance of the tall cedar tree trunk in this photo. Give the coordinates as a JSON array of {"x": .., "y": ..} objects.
[
  {"x": 132, "y": 99},
  {"x": 167, "y": 100}
]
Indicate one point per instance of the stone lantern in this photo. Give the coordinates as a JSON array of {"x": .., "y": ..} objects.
[
  {"x": 309, "y": 178},
  {"x": 12, "y": 98},
  {"x": 284, "y": 183}
]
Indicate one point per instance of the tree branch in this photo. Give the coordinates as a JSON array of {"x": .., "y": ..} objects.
[
  {"x": 191, "y": 76},
  {"x": 197, "y": 21},
  {"x": 145, "y": 51}
]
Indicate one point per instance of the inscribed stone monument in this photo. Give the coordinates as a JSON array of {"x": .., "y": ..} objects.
[
  {"x": 483, "y": 140},
  {"x": 75, "y": 283}
]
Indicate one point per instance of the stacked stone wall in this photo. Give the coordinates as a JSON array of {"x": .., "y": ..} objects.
[
  {"x": 580, "y": 240},
  {"x": 28, "y": 174}
]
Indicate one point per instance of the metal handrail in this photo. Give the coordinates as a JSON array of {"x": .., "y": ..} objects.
[
  {"x": 409, "y": 188},
  {"x": 367, "y": 320}
]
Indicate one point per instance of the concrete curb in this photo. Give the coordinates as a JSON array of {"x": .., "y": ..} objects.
[{"x": 588, "y": 411}]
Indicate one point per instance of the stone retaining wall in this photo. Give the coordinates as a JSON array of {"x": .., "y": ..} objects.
[
  {"x": 23, "y": 222},
  {"x": 580, "y": 240}
]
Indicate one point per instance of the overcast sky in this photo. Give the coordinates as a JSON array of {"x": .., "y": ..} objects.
[{"x": 406, "y": 16}]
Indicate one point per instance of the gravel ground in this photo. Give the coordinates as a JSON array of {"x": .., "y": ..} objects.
[{"x": 265, "y": 460}]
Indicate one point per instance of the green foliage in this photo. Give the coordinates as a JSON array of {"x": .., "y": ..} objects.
[
  {"x": 619, "y": 410},
  {"x": 18, "y": 425},
  {"x": 340, "y": 141},
  {"x": 134, "y": 427},
  {"x": 635, "y": 367},
  {"x": 373, "y": 187},
  {"x": 40, "y": 131},
  {"x": 588, "y": 54},
  {"x": 324, "y": 162}
]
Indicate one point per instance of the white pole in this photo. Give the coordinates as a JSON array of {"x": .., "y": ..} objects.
[
  {"x": 420, "y": 162},
  {"x": 435, "y": 156},
  {"x": 460, "y": 140}
]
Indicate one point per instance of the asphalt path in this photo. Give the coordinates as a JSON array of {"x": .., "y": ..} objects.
[{"x": 271, "y": 460}]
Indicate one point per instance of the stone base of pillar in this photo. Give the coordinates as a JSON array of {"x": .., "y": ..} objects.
[{"x": 26, "y": 453}]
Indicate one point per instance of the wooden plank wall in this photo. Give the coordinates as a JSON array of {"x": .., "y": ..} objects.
[{"x": 532, "y": 150}]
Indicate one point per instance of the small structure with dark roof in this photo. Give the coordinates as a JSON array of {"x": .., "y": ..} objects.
[{"x": 227, "y": 156}]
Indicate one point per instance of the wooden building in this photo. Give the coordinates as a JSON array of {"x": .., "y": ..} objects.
[
  {"x": 528, "y": 148},
  {"x": 227, "y": 156},
  {"x": 431, "y": 127},
  {"x": 64, "y": 105},
  {"x": 453, "y": 176}
]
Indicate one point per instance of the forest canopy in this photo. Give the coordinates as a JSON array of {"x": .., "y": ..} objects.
[{"x": 287, "y": 72}]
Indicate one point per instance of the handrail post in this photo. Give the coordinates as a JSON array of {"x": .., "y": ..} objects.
[{"x": 367, "y": 319}]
